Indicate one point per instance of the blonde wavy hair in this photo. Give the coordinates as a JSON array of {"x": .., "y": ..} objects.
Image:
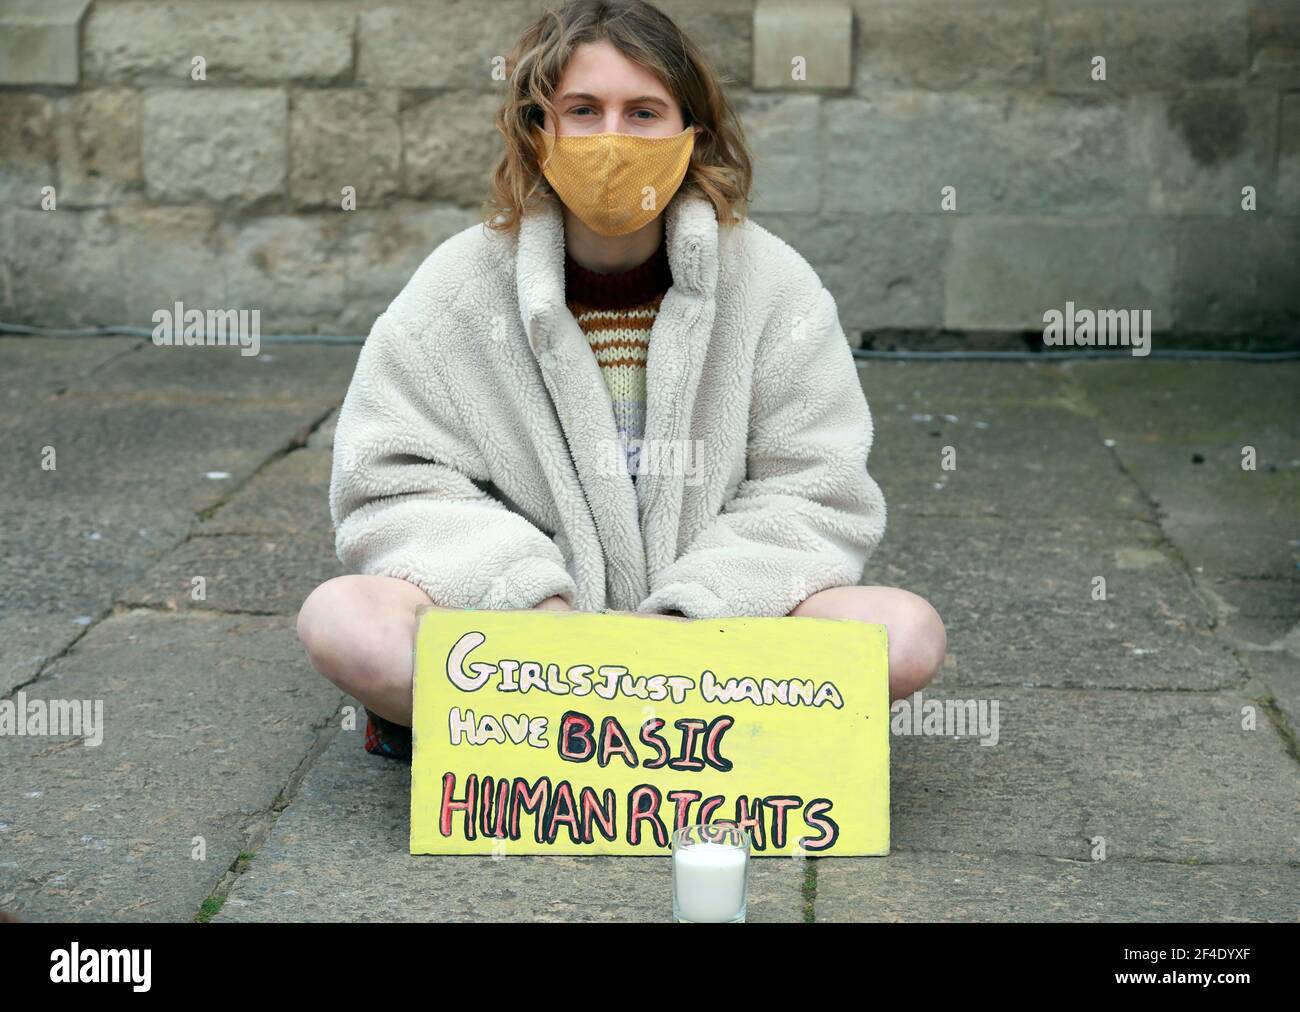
[{"x": 720, "y": 168}]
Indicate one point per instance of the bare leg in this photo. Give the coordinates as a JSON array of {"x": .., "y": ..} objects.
[
  {"x": 917, "y": 640},
  {"x": 359, "y": 632}
]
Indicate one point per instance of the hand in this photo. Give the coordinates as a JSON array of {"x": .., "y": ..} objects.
[{"x": 554, "y": 604}]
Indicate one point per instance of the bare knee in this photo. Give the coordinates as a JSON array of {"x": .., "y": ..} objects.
[
  {"x": 918, "y": 644},
  {"x": 319, "y": 621},
  {"x": 324, "y": 609},
  {"x": 917, "y": 640},
  {"x": 358, "y": 629}
]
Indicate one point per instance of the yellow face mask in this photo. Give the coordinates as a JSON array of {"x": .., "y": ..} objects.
[{"x": 616, "y": 183}]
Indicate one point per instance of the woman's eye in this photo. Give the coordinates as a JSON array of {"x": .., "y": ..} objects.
[{"x": 582, "y": 110}]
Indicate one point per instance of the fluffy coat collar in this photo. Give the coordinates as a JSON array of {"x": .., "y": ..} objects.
[{"x": 620, "y": 507}]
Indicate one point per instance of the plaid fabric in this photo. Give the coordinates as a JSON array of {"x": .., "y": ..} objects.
[{"x": 383, "y": 737}]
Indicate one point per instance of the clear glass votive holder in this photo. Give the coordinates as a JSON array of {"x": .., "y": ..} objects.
[{"x": 710, "y": 875}]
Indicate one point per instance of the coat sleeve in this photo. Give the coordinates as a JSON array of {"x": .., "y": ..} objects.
[
  {"x": 405, "y": 492},
  {"x": 808, "y": 515}
]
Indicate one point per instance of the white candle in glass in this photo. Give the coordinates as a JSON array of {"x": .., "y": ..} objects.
[{"x": 709, "y": 881}]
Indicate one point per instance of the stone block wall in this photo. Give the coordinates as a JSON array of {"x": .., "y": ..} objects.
[{"x": 952, "y": 168}]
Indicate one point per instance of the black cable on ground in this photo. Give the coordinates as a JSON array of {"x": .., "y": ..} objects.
[
  {"x": 1184, "y": 354},
  {"x": 1115, "y": 353}
]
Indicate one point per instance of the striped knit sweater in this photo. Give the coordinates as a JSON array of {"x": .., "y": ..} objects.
[{"x": 616, "y": 312}]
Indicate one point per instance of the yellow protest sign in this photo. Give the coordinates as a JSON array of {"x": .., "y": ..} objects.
[{"x": 581, "y": 733}]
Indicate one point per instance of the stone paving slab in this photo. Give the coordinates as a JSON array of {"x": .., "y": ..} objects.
[
  {"x": 1260, "y": 609},
  {"x": 1014, "y": 461},
  {"x": 1164, "y": 776},
  {"x": 289, "y": 496},
  {"x": 1179, "y": 429},
  {"x": 1229, "y": 522},
  {"x": 263, "y": 551},
  {"x": 60, "y": 560},
  {"x": 323, "y": 437},
  {"x": 34, "y": 367},
  {"x": 279, "y": 372},
  {"x": 28, "y": 640},
  {"x": 1187, "y": 403},
  {"x": 911, "y": 886},
  {"x": 1279, "y": 672},
  {"x": 260, "y": 574},
  {"x": 205, "y": 720},
  {"x": 1254, "y": 614},
  {"x": 339, "y": 853},
  {"x": 1016, "y": 601},
  {"x": 59, "y": 565},
  {"x": 155, "y": 454},
  {"x": 936, "y": 387},
  {"x": 131, "y": 475}
]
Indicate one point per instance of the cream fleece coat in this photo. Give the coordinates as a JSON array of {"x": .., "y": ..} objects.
[{"x": 476, "y": 454}]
